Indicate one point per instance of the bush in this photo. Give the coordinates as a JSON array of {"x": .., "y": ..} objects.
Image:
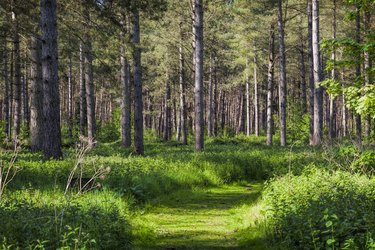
[
  {"x": 52, "y": 221},
  {"x": 321, "y": 210}
]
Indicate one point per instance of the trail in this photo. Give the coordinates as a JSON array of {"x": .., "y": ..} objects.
[{"x": 200, "y": 219}]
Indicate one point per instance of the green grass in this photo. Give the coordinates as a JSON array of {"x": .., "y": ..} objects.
[{"x": 209, "y": 218}]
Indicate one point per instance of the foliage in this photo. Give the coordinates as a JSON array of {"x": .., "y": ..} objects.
[{"x": 320, "y": 209}]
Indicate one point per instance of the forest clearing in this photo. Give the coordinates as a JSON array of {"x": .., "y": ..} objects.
[{"x": 187, "y": 124}]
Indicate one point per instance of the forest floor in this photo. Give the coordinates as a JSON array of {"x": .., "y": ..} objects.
[{"x": 210, "y": 218}]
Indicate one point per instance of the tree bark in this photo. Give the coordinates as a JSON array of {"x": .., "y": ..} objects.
[
  {"x": 70, "y": 100},
  {"x": 82, "y": 93},
  {"x": 367, "y": 66},
  {"x": 137, "y": 71},
  {"x": 282, "y": 84},
  {"x": 248, "y": 125},
  {"x": 36, "y": 96},
  {"x": 311, "y": 72},
  {"x": 125, "y": 100},
  {"x": 332, "y": 101},
  {"x": 303, "y": 79},
  {"x": 358, "y": 126},
  {"x": 167, "y": 112},
  {"x": 270, "y": 86},
  {"x": 183, "y": 116},
  {"x": 198, "y": 90},
  {"x": 256, "y": 98},
  {"x": 89, "y": 82},
  {"x": 17, "y": 79},
  {"x": 210, "y": 122},
  {"x": 318, "y": 93},
  {"x": 6, "y": 88},
  {"x": 51, "y": 107}
]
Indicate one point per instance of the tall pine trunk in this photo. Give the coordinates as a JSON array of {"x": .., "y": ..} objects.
[
  {"x": 82, "y": 93},
  {"x": 282, "y": 84},
  {"x": 256, "y": 98},
  {"x": 198, "y": 90},
  {"x": 36, "y": 96},
  {"x": 210, "y": 113},
  {"x": 51, "y": 107},
  {"x": 183, "y": 115},
  {"x": 125, "y": 100},
  {"x": 270, "y": 86},
  {"x": 358, "y": 127},
  {"x": 311, "y": 72},
  {"x": 137, "y": 71},
  {"x": 167, "y": 111},
  {"x": 17, "y": 79},
  {"x": 89, "y": 82},
  {"x": 70, "y": 100},
  {"x": 318, "y": 93},
  {"x": 332, "y": 101},
  {"x": 6, "y": 88}
]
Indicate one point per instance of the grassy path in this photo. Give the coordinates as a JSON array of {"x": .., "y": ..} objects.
[{"x": 199, "y": 219}]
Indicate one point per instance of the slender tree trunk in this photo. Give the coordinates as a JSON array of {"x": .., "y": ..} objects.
[
  {"x": 303, "y": 79},
  {"x": 167, "y": 111},
  {"x": 137, "y": 71},
  {"x": 17, "y": 79},
  {"x": 223, "y": 104},
  {"x": 6, "y": 88},
  {"x": 25, "y": 92},
  {"x": 210, "y": 100},
  {"x": 332, "y": 101},
  {"x": 318, "y": 94},
  {"x": 215, "y": 104},
  {"x": 256, "y": 99},
  {"x": 82, "y": 93},
  {"x": 125, "y": 100},
  {"x": 51, "y": 107},
  {"x": 311, "y": 72},
  {"x": 248, "y": 125},
  {"x": 70, "y": 100},
  {"x": 183, "y": 117},
  {"x": 367, "y": 66},
  {"x": 198, "y": 91},
  {"x": 270, "y": 86},
  {"x": 36, "y": 96},
  {"x": 282, "y": 84},
  {"x": 89, "y": 82},
  {"x": 358, "y": 127}
]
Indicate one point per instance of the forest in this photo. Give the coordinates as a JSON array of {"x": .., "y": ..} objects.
[{"x": 187, "y": 124}]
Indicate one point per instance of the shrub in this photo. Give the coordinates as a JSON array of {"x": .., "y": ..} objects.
[{"x": 320, "y": 210}]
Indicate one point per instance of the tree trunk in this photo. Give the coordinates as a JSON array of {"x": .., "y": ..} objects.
[
  {"x": 70, "y": 100},
  {"x": 89, "y": 81},
  {"x": 358, "y": 127},
  {"x": 6, "y": 89},
  {"x": 367, "y": 63},
  {"x": 51, "y": 107},
  {"x": 125, "y": 100},
  {"x": 311, "y": 72},
  {"x": 248, "y": 125},
  {"x": 223, "y": 104},
  {"x": 303, "y": 79},
  {"x": 282, "y": 84},
  {"x": 137, "y": 71},
  {"x": 210, "y": 100},
  {"x": 198, "y": 90},
  {"x": 183, "y": 117},
  {"x": 270, "y": 86},
  {"x": 332, "y": 101},
  {"x": 17, "y": 79},
  {"x": 256, "y": 99},
  {"x": 318, "y": 94},
  {"x": 36, "y": 96},
  {"x": 82, "y": 93},
  {"x": 167, "y": 112}
]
